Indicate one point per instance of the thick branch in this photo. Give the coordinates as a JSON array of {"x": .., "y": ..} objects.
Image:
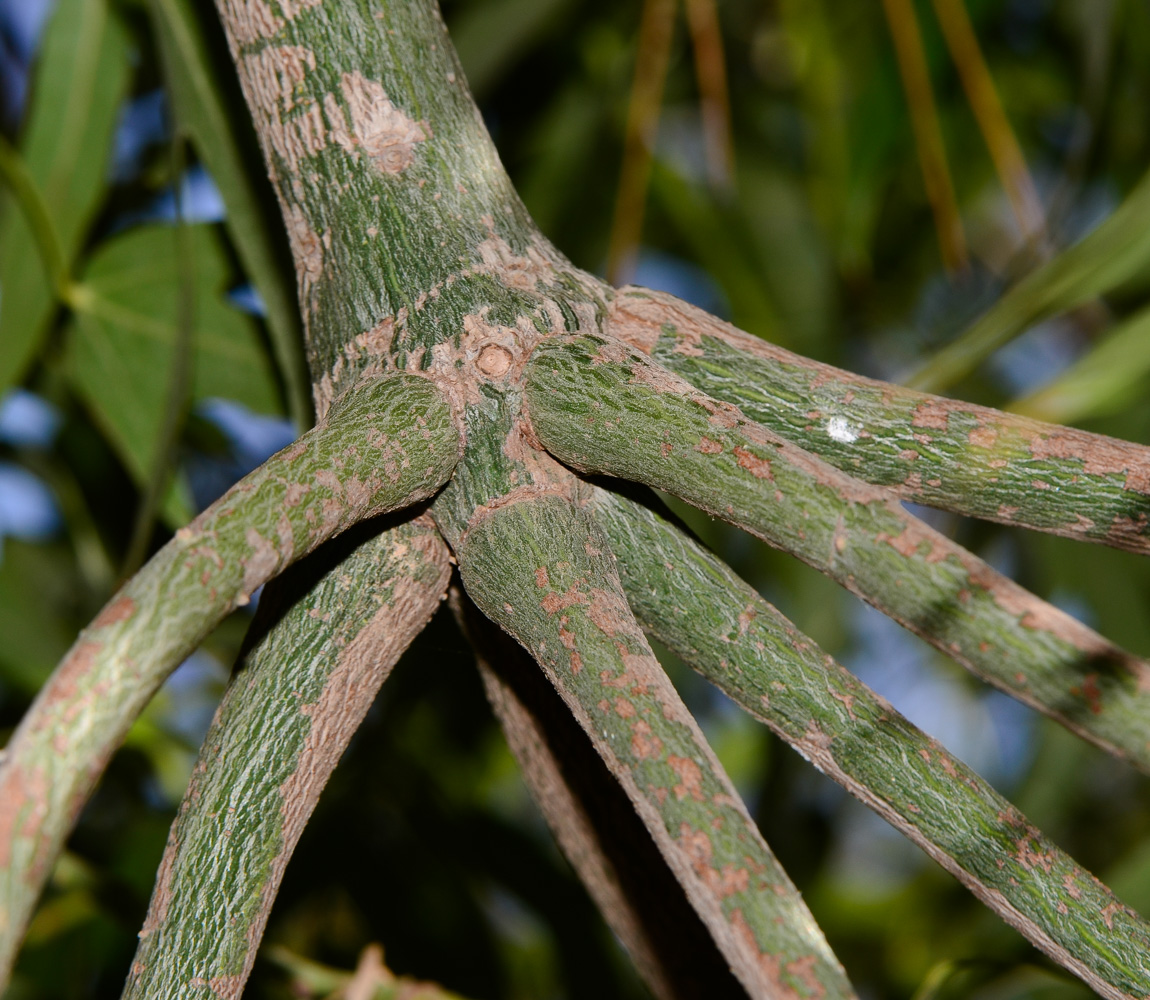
[
  {"x": 603, "y": 408},
  {"x": 293, "y": 705},
  {"x": 717, "y": 623},
  {"x": 941, "y": 452},
  {"x": 541, "y": 570},
  {"x": 387, "y": 445}
]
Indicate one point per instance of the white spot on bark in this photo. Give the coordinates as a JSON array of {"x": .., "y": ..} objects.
[
  {"x": 841, "y": 429},
  {"x": 381, "y": 130}
]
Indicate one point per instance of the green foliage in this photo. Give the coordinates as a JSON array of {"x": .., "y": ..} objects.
[{"x": 824, "y": 242}]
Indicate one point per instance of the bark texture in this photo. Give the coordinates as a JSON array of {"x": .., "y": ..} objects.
[
  {"x": 332, "y": 629},
  {"x": 389, "y": 444}
]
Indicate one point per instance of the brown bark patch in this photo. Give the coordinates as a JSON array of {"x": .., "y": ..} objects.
[
  {"x": 932, "y": 413},
  {"x": 119, "y": 610},
  {"x": 983, "y": 437},
  {"x": 690, "y": 778},
  {"x": 20, "y": 788},
  {"x": 381, "y": 130},
  {"x": 645, "y": 745},
  {"x": 758, "y": 467},
  {"x": 1099, "y": 455},
  {"x": 708, "y": 447},
  {"x": 250, "y": 21}
]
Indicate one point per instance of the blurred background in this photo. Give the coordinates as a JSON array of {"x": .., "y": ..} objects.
[{"x": 856, "y": 180}]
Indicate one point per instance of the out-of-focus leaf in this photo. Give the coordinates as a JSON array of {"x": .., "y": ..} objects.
[
  {"x": 718, "y": 236},
  {"x": 1115, "y": 252},
  {"x": 77, "y": 90},
  {"x": 489, "y": 37},
  {"x": 120, "y": 345},
  {"x": 200, "y": 110},
  {"x": 36, "y": 633},
  {"x": 1102, "y": 382}
]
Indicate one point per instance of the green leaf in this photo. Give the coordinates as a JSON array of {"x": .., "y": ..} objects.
[
  {"x": 489, "y": 37},
  {"x": 1103, "y": 382},
  {"x": 120, "y": 345},
  {"x": 201, "y": 112},
  {"x": 1114, "y": 253},
  {"x": 34, "y": 597},
  {"x": 76, "y": 93}
]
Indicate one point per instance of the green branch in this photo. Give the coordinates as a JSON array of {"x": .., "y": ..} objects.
[
  {"x": 717, "y": 623},
  {"x": 944, "y": 453},
  {"x": 603, "y": 408},
  {"x": 542, "y": 570},
  {"x": 293, "y": 705},
  {"x": 595, "y": 825},
  {"x": 385, "y": 446}
]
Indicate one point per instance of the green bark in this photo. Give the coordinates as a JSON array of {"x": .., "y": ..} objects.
[
  {"x": 542, "y": 570},
  {"x": 296, "y": 699},
  {"x": 719, "y": 625},
  {"x": 940, "y": 452},
  {"x": 604, "y": 408},
  {"x": 387, "y": 445}
]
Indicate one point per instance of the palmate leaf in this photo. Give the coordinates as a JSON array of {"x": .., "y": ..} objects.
[
  {"x": 124, "y": 332},
  {"x": 79, "y": 83}
]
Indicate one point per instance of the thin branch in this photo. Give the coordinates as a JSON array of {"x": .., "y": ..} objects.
[
  {"x": 652, "y": 54},
  {"x": 944, "y": 453},
  {"x": 337, "y": 625},
  {"x": 717, "y": 623},
  {"x": 595, "y": 825},
  {"x": 1000, "y": 139},
  {"x": 912, "y": 67},
  {"x": 603, "y": 408},
  {"x": 542, "y": 570},
  {"x": 385, "y": 446}
]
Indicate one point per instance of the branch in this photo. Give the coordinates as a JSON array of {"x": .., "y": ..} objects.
[
  {"x": 602, "y": 408},
  {"x": 717, "y": 623},
  {"x": 540, "y": 569},
  {"x": 595, "y": 825},
  {"x": 384, "y": 447},
  {"x": 940, "y": 452},
  {"x": 342, "y": 619}
]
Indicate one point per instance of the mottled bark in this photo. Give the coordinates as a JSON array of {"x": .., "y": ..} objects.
[
  {"x": 719, "y": 625},
  {"x": 940, "y": 452},
  {"x": 541, "y": 569},
  {"x": 327, "y": 635},
  {"x": 387, "y": 445},
  {"x": 596, "y": 826},
  {"x": 605, "y": 408}
]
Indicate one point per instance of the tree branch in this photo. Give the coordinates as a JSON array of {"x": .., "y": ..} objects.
[
  {"x": 338, "y": 623},
  {"x": 940, "y": 452},
  {"x": 541, "y": 569},
  {"x": 385, "y": 446},
  {"x": 603, "y": 408},
  {"x": 695, "y": 604},
  {"x": 596, "y": 826}
]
